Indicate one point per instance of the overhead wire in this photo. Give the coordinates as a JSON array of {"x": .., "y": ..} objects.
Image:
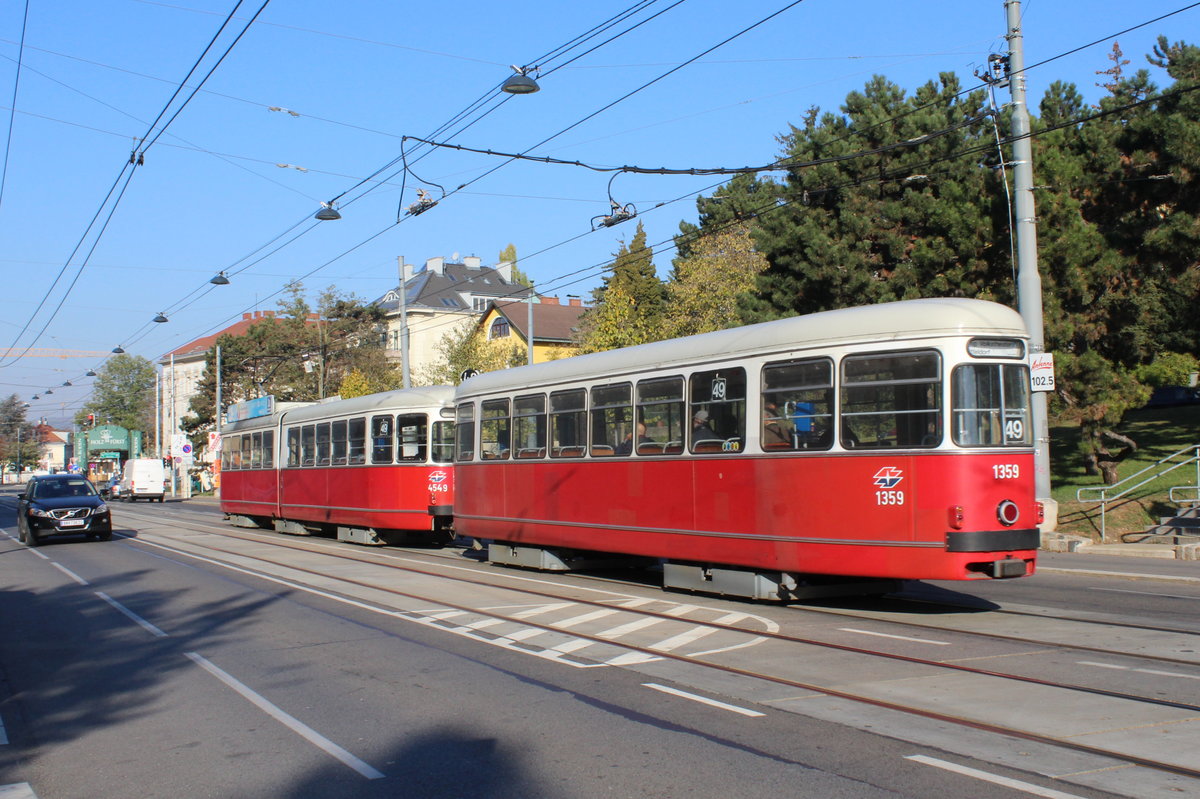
[{"x": 13, "y": 109}]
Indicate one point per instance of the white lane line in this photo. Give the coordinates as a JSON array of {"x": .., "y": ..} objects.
[
  {"x": 69, "y": 573},
  {"x": 897, "y": 637},
  {"x": 136, "y": 619},
  {"x": 676, "y": 641},
  {"x": 996, "y": 779},
  {"x": 526, "y": 614},
  {"x": 292, "y": 723},
  {"x": 703, "y": 699},
  {"x": 1145, "y": 593},
  {"x": 629, "y": 627},
  {"x": 584, "y": 618},
  {"x": 1155, "y": 672}
]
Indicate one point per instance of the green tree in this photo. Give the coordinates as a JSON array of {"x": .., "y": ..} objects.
[
  {"x": 122, "y": 394},
  {"x": 466, "y": 347},
  {"x": 298, "y": 355},
  {"x": 703, "y": 293},
  {"x": 18, "y": 438},
  {"x": 509, "y": 254},
  {"x": 628, "y": 308}
]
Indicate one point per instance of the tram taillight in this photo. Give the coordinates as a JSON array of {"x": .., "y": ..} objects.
[{"x": 956, "y": 517}]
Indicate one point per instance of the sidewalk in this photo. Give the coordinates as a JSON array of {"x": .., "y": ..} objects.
[{"x": 1060, "y": 542}]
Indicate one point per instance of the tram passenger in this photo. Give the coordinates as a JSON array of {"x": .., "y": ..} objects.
[
  {"x": 700, "y": 429},
  {"x": 777, "y": 433},
  {"x": 626, "y": 446}
]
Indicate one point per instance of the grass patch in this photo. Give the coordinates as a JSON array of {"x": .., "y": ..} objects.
[{"x": 1159, "y": 432}]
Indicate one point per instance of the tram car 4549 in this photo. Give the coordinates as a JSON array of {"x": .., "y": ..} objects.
[
  {"x": 370, "y": 470},
  {"x": 878, "y": 443}
]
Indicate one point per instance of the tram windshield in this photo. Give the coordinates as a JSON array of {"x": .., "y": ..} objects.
[{"x": 991, "y": 405}]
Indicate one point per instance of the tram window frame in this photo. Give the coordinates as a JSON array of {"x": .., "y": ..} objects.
[
  {"x": 268, "y": 449},
  {"x": 726, "y": 408},
  {"x": 611, "y": 418},
  {"x": 224, "y": 457},
  {"x": 495, "y": 430},
  {"x": 247, "y": 451},
  {"x": 529, "y": 426},
  {"x": 256, "y": 450},
  {"x": 293, "y": 447},
  {"x": 230, "y": 446},
  {"x": 661, "y": 408},
  {"x": 801, "y": 392},
  {"x": 442, "y": 442},
  {"x": 337, "y": 440},
  {"x": 999, "y": 413},
  {"x": 412, "y": 438},
  {"x": 356, "y": 441},
  {"x": 568, "y": 423},
  {"x": 880, "y": 404},
  {"x": 464, "y": 432},
  {"x": 324, "y": 444},
  {"x": 383, "y": 438},
  {"x": 308, "y": 445}
]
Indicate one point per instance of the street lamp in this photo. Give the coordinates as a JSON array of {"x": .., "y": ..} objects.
[
  {"x": 220, "y": 279},
  {"x": 520, "y": 83}
]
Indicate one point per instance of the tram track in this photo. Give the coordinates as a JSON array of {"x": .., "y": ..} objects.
[{"x": 387, "y": 560}]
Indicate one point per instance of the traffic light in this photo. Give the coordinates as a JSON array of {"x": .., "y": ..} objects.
[{"x": 91, "y": 420}]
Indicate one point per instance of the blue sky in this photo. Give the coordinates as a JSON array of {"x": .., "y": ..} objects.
[{"x": 349, "y": 80}]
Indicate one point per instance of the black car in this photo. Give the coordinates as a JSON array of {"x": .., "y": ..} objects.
[{"x": 61, "y": 504}]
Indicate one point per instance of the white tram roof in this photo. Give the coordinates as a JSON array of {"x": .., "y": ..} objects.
[
  {"x": 393, "y": 401},
  {"x": 892, "y": 322}
]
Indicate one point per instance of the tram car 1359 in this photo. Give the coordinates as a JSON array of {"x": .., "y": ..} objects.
[
  {"x": 891, "y": 441},
  {"x": 371, "y": 470}
]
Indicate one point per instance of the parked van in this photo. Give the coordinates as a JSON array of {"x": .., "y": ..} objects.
[{"x": 142, "y": 479}]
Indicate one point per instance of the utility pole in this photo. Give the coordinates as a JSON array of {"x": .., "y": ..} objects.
[
  {"x": 407, "y": 383},
  {"x": 1029, "y": 281},
  {"x": 531, "y": 293}
]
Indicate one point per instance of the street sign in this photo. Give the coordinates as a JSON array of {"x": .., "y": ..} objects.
[{"x": 1041, "y": 371}]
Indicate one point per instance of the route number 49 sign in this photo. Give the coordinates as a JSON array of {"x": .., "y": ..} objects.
[{"x": 1041, "y": 371}]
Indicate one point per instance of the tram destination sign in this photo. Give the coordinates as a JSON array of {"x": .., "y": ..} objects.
[{"x": 250, "y": 409}]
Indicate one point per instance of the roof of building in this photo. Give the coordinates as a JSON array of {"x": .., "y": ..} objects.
[
  {"x": 551, "y": 321},
  {"x": 205, "y": 343},
  {"x": 443, "y": 289}
]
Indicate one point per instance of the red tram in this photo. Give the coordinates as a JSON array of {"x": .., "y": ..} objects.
[
  {"x": 368, "y": 469},
  {"x": 891, "y": 441}
]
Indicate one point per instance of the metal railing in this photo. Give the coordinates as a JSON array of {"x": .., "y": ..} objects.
[{"x": 1189, "y": 455}]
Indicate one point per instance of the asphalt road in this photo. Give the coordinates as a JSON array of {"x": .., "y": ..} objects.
[{"x": 130, "y": 671}]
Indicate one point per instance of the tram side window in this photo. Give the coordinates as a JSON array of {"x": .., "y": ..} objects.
[
  {"x": 247, "y": 445},
  {"x": 529, "y": 426},
  {"x": 256, "y": 450},
  {"x": 568, "y": 423},
  {"x": 323, "y": 444},
  {"x": 411, "y": 430},
  {"x": 338, "y": 432},
  {"x": 293, "y": 447},
  {"x": 797, "y": 405},
  {"x": 612, "y": 419},
  {"x": 718, "y": 410},
  {"x": 891, "y": 400},
  {"x": 268, "y": 449},
  {"x": 382, "y": 439},
  {"x": 464, "y": 432},
  {"x": 660, "y": 410},
  {"x": 356, "y": 441},
  {"x": 443, "y": 442},
  {"x": 494, "y": 430},
  {"x": 308, "y": 445},
  {"x": 990, "y": 405},
  {"x": 231, "y": 453}
]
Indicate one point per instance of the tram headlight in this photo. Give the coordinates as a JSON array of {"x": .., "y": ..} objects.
[{"x": 1008, "y": 513}]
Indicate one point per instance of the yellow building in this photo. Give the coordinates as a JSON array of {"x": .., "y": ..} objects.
[{"x": 508, "y": 322}]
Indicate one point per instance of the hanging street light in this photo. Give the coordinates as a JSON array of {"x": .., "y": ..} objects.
[{"x": 520, "y": 83}]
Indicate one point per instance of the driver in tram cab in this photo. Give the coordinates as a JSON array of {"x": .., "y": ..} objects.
[{"x": 626, "y": 446}]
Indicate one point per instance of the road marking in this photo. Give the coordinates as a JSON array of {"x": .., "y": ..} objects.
[
  {"x": 996, "y": 779},
  {"x": 1145, "y": 593},
  {"x": 897, "y": 637},
  {"x": 702, "y": 699},
  {"x": 584, "y": 618},
  {"x": 18, "y": 790},
  {"x": 291, "y": 722},
  {"x": 138, "y": 620},
  {"x": 69, "y": 573},
  {"x": 1155, "y": 672},
  {"x": 684, "y": 638}
]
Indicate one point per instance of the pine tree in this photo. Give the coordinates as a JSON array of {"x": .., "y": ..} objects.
[{"x": 628, "y": 308}]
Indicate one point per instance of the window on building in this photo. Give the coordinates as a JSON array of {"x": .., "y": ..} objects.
[{"x": 499, "y": 328}]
